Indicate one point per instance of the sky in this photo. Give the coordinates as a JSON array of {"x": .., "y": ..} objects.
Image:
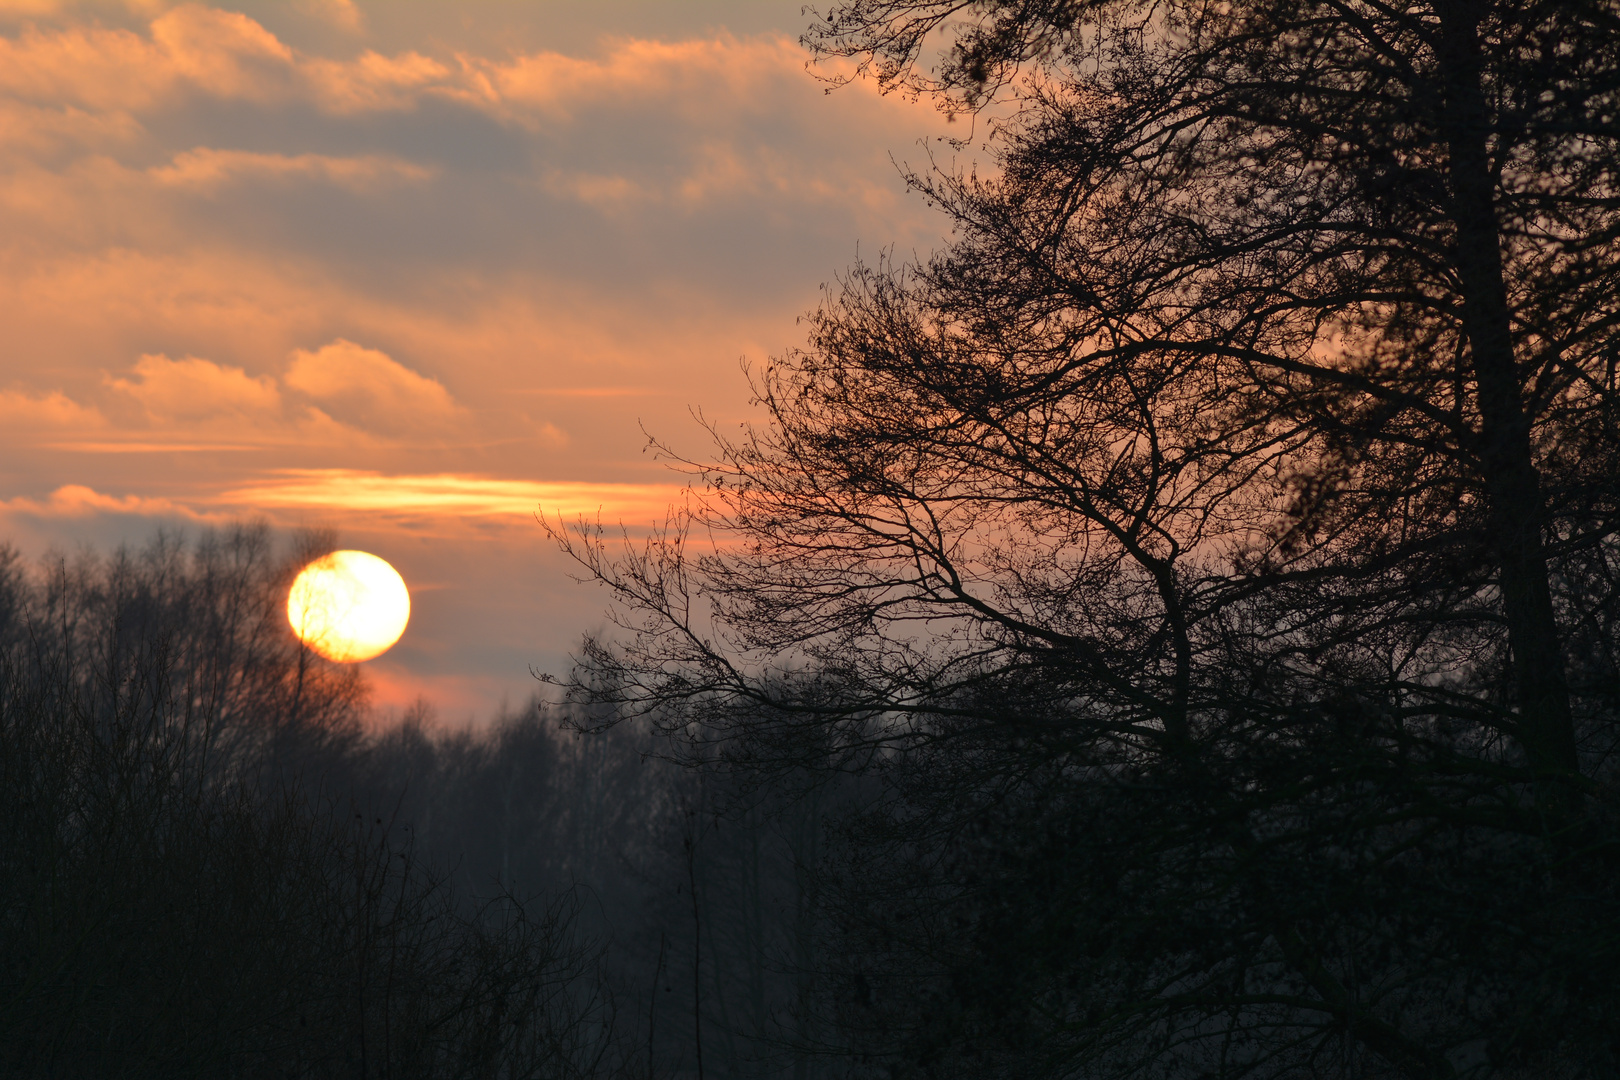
[{"x": 414, "y": 272}]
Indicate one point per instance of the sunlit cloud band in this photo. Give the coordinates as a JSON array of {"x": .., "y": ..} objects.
[{"x": 353, "y": 490}]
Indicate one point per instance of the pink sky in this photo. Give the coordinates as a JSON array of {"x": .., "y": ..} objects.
[{"x": 413, "y": 271}]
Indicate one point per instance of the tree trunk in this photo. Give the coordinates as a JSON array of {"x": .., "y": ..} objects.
[{"x": 1512, "y": 483}]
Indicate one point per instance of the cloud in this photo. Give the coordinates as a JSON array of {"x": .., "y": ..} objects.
[
  {"x": 208, "y": 169},
  {"x": 194, "y": 389},
  {"x": 723, "y": 72},
  {"x": 126, "y": 445},
  {"x": 55, "y": 410},
  {"x": 209, "y": 53},
  {"x": 228, "y": 56},
  {"x": 449, "y": 495},
  {"x": 752, "y": 124},
  {"x": 718, "y": 125},
  {"x": 35, "y": 129},
  {"x": 373, "y": 82},
  {"x": 351, "y": 493},
  {"x": 220, "y": 54},
  {"x": 605, "y": 192},
  {"x": 213, "y": 54},
  {"x": 722, "y": 170},
  {"x": 223, "y": 53},
  {"x": 78, "y": 501},
  {"x": 340, "y": 394},
  {"x": 519, "y": 347},
  {"x": 369, "y": 389}
]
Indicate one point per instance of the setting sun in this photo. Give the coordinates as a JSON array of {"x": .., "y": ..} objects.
[{"x": 348, "y": 606}]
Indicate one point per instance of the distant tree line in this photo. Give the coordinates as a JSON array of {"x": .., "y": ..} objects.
[
  {"x": 194, "y": 883},
  {"x": 700, "y": 886},
  {"x": 216, "y": 860}
]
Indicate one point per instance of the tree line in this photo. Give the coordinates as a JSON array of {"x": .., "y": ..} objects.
[
  {"x": 188, "y": 884},
  {"x": 217, "y": 860}
]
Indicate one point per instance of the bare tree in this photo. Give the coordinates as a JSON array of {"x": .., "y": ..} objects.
[{"x": 1214, "y": 545}]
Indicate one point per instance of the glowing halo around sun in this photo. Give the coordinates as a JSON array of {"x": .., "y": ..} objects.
[{"x": 348, "y": 606}]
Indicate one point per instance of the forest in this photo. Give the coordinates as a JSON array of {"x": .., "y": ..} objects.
[
  {"x": 218, "y": 862},
  {"x": 1169, "y": 631}
]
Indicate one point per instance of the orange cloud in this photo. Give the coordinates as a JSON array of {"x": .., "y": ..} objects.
[
  {"x": 54, "y": 410},
  {"x": 228, "y": 55},
  {"x": 207, "y": 169},
  {"x": 373, "y": 82},
  {"x": 453, "y": 494},
  {"x": 531, "y": 355},
  {"x": 194, "y": 389},
  {"x": 369, "y": 389},
  {"x": 221, "y": 54},
  {"x": 342, "y": 394},
  {"x": 130, "y": 446},
  {"x": 681, "y": 73},
  {"x": 78, "y": 501},
  {"x": 347, "y": 493},
  {"x": 45, "y": 129},
  {"x": 85, "y": 82}
]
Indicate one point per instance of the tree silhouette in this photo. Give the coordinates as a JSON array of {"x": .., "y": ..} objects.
[
  {"x": 1213, "y": 546},
  {"x": 186, "y": 890}
]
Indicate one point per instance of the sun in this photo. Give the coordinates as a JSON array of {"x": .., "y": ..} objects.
[{"x": 348, "y": 606}]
